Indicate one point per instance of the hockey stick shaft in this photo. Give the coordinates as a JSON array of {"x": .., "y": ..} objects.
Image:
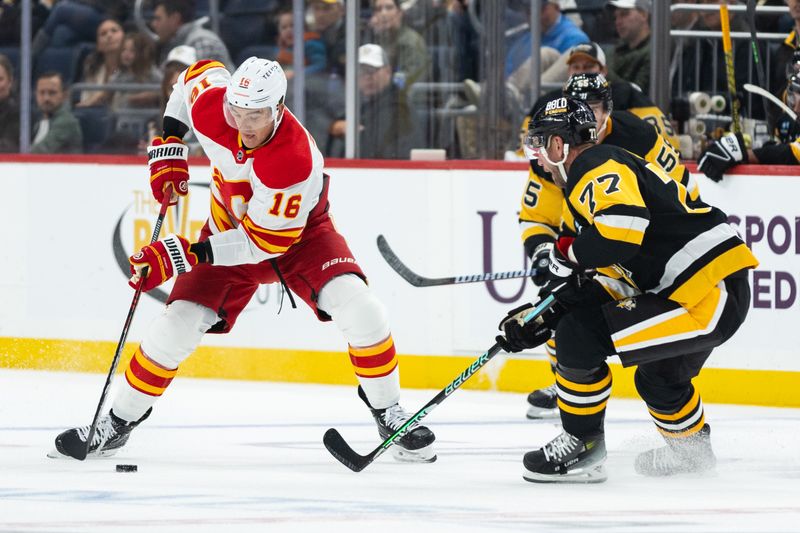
[
  {"x": 421, "y": 281},
  {"x": 736, "y": 124},
  {"x": 339, "y": 448},
  {"x": 124, "y": 335},
  {"x": 751, "y": 22},
  {"x": 771, "y": 97}
]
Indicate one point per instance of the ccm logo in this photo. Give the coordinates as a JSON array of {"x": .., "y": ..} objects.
[{"x": 336, "y": 261}]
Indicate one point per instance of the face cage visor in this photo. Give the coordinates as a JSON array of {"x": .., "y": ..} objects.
[{"x": 249, "y": 120}]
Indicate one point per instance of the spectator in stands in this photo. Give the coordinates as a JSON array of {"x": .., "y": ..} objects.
[
  {"x": 74, "y": 21},
  {"x": 9, "y": 108},
  {"x": 329, "y": 23},
  {"x": 102, "y": 63},
  {"x": 173, "y": 22},
  {"x": 681, "y": 20},
  {"x": 465, "y": 39},
  {"x": 407, "y": 51},
  {"x": 137, "y": 65},
  {"x": 388, "y": 124},
  {"x": 10, "y": 20},
  {"x": 630, "y": 59},
  {"x": 57, "y": 131},
  {"x": 315, "y": 55}
]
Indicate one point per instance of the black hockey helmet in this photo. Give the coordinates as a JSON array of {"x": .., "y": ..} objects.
[
  {"x": 591, "y": 87},
  {"x": 567, "y": 117},
  {"x": 793, "y": 65},
  {"x": 792, "y": 89}
]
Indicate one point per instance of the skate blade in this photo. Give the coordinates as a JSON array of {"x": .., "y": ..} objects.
[
  {"x": 541, "y": 413},
  {"x": 55, "y": 454},
  {"x": 592, "y": 474},
  {"x": 423, "y": 455}
]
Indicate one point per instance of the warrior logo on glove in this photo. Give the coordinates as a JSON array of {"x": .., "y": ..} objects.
[
  {"x": 163, "y": 259},
  {"x": 168, "y": 166}
]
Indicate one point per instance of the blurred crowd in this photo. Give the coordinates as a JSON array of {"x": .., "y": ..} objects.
[{"x": 101, "y": 77}]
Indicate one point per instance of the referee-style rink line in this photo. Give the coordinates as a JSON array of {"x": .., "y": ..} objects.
[{"x": 229, "y": 456}]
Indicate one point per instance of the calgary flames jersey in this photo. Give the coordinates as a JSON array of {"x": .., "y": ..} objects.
[
  {"x": 542, "y": 201},
  {"x": 639, "y": 229},
  {"x": 262, "y": 198}
]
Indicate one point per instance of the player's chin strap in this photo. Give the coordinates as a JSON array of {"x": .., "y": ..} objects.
[{"x": 559, "y": 164}]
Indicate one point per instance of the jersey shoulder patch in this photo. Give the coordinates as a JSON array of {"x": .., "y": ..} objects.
[
  {"x": 287, "y": 159},
  {"x": 199, "y": 68}
]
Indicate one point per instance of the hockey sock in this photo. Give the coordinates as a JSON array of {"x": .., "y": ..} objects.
[
  {"x": 582, "y": 398},
  {"x": 682, "y": 422},
  {"x": 377, "y": 372},
  {"x": 146, "y": 381}
]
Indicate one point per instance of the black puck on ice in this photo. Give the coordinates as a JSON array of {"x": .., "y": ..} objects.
[{"x": 127, "y": 468}]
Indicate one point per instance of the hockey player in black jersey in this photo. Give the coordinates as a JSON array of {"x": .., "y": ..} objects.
[
  {"x": 670, "y": 285},
  {"x": 541, "y": 209},
  {"x": 730, "y": 150}
]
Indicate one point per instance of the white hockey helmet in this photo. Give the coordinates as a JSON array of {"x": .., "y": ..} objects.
[{"x": 258, "y": 84}]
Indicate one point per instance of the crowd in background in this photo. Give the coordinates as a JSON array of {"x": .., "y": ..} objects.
[{"x": 101, "y": 81}]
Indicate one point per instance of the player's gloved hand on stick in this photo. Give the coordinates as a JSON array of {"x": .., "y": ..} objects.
[
  {"x": 521, "y": 335},
  {"x": 566, "y": 279},
  {"x": 163, "y": 259},
  {"x": 168, "y": 166},
  {"x": 723, "y": 154},
  {"x": 541, "y": 263}
]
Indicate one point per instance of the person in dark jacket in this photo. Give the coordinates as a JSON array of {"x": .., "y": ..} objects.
[{"x": 9, "y": 108}]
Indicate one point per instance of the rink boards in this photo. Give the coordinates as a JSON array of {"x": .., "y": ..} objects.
[{"x": 69, "y": 224}]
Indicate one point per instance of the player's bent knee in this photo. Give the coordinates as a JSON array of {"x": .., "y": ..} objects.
[
  {"x": 175, "y": 334},
  {"x": 355, "y": 310}
]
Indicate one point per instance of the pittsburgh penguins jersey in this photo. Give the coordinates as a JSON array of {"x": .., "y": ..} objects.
[
  {"x": 639, "y": 229},
  {"x": 262, "y": 198},
  {"x": 541, "y": 208}
]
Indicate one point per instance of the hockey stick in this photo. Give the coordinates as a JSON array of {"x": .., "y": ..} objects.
[
  {"x": 751, "y": 22},
  {"x": 749, "y": 87},
  {"x": 125, "y": 328},
  {"x": 342, "y": 451},
  {"x": 420, "y": 281},
  {"x": 736, "y": 124}
]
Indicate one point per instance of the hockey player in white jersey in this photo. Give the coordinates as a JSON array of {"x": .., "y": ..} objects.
[{"x": 269, "y": 223}]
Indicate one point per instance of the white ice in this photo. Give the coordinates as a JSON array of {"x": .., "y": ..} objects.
[{"x": 223, "y": 456}]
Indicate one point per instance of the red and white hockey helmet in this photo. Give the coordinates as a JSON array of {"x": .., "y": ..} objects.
[{"x": 257, "y": 85}]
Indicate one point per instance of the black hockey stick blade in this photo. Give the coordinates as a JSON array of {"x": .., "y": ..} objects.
[
  {"x": 356, "y": 462},
  {"x": 421, "y": 281},
  {"x": 339, "y": 448}
]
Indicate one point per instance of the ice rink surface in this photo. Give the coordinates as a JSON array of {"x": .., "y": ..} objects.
[{"x": 225, "y": 456}]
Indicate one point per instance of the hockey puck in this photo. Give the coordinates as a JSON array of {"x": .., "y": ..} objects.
[{"x": 127, "y": 468}]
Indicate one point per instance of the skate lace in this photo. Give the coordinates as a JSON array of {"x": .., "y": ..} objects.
[
  {"x": 395, "y": 416},
  {"x": 560, "y": 447},
  {"x": 663, "y": 459},
  {"x": 102, "y": 433},
  {"x": 551, "y": 391}
]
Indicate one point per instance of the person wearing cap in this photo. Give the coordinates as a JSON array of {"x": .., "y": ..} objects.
[
  {"x": 173, "y": 22},
  {"x": 388, "y": 124},
  {"x": 630, "y": 59},
  {"x": 269, "y": 222}
]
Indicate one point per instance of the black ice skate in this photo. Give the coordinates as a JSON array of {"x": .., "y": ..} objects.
[
  {"x": 111, "y": 434},
  {"x": 688, "y": 455},
  {"x": 415, "y": 446},
  {"x": 567, "y": 459},
  {"x": 542, "y": 403}
]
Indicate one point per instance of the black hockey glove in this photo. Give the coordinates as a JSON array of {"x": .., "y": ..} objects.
[
  {"x": 521, "y": 335},
  {"x": 566, "y": 280},
  {"x": 723, "y": 154},
  {"x": 541, "y": 263}
]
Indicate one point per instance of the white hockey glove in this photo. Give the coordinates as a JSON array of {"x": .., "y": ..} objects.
[{"x": 721, "y": 155}]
